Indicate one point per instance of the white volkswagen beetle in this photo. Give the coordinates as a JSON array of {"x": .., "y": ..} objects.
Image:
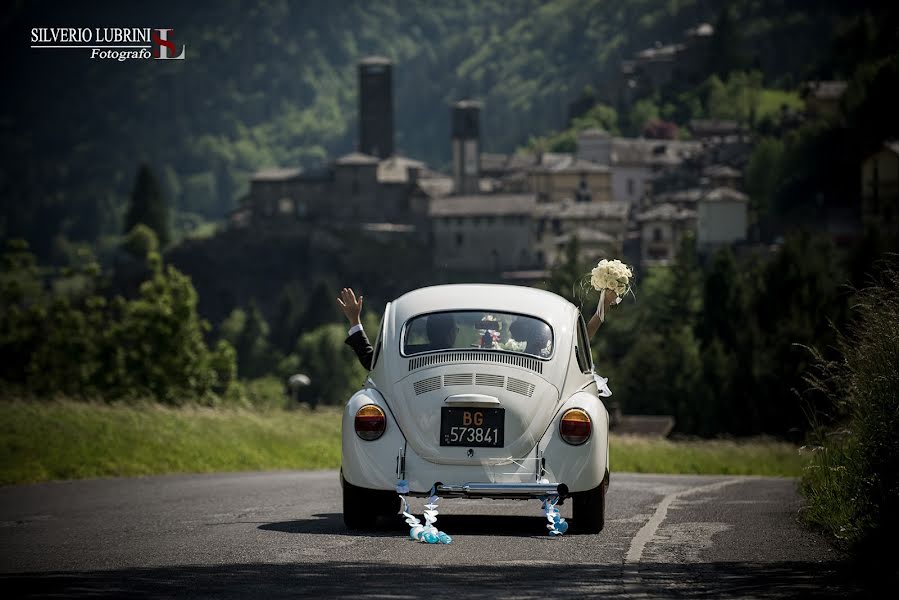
[{"x": 484, "y": 391}]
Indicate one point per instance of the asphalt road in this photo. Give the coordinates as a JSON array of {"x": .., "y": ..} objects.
[{"x": 281, "y": 534}]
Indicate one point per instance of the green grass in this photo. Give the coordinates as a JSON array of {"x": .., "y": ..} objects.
[
  {"x": 755, "y": 456},
  {"x": 74, "y": 440},
  {"x": 771, "y": 100},
  {"x": 70, "y": 440}
]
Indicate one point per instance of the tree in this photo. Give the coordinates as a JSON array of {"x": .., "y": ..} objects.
[
  {"x": 726, "y": 46},
  {"x": 288, "y": 322},
  {"x": 333, "y": 369},
  {"x": 148, "y": 206},
  {"x": 254, "y": 353},
  {"x": 322, "y": 307},
  {"x": 141, "y": 241},
  {"x": 568, "y": 278}
]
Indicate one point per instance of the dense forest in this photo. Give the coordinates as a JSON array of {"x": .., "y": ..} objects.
[{"x": 273, "y": 83}]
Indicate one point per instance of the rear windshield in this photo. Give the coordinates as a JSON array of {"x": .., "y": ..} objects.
[{"x": 485, "y": 330}]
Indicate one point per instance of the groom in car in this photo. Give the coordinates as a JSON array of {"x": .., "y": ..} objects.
[{"x": 441, "y": 329}]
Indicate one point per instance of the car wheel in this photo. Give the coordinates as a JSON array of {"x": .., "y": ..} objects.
[
  {"x": 589, "y": 510},
  {"x": 362, "y": 507}
]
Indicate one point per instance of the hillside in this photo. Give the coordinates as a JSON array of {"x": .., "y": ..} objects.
[{"x": 274, "y": 83}]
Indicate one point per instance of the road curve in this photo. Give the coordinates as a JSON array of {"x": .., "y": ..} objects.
[{"x": 281, "y": 534}]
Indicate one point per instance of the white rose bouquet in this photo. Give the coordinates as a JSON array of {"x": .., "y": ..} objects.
[{"x": 610, "y": 275}]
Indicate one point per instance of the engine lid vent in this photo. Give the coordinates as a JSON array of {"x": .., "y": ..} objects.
[
  {"x": 520, "y": 387},
  {"x": 427, "y": 385},
  {"x": 504, "y": 358},
  {"x": 491, "y": 380},
  {"x": 457, "y": 379}
]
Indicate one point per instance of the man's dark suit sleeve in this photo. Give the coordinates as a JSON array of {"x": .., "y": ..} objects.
[{"x": 362, "y": 347}]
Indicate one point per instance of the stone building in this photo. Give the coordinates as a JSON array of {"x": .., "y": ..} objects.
[
  {"x": 376, "y": 106},
  {"x": 721, "y": 218},
  {"x": 483, "y": 232},
  {"x": 372, "y": 185},
  {"x": 653, "y": 68},
  {"x": 880, "y": 189},
  {"x": 570, "y": 178},
  {"x": 632, "y": 162},
  {"x": 600, "y": 227},
  {"x": 823, "y": 97},
  {"x": 661, "y": 230}
]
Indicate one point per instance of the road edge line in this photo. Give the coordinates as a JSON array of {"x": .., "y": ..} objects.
[{"x": 649, "y": 529}]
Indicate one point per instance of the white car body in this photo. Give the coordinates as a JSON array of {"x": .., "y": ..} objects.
[{"x": 533, "y": 391}]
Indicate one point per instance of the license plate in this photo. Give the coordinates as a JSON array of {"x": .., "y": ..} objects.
[{"x": 472, "y": 427}]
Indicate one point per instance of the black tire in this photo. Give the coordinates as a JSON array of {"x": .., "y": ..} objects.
[
  {"x": 589, "y": 508},
  {"x": 362, "y": 506}
]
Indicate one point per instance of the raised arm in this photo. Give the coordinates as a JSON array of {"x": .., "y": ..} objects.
[
  {"x": 351, "y": 306},
  {"x": 596, "y": 320}
]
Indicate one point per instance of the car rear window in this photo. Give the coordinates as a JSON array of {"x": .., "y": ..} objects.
[{"x": 478, "y": 329}]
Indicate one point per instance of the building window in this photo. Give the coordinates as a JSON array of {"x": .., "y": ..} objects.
[
  {"x": 630, "y": 187},
  {"x": 557, "y": 226},
  {"x": 355, "y": 188},
  {"x": 459, "y": 239},
  {"x": 656, "y": 234}
]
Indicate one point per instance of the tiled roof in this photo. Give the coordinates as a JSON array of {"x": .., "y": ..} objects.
[
  {"x": 396, "y": 169},
  {"x": 483, "y": 205},
  {"x": 666, "y": 212},
  {"x": 714, "y": 126},
  {"x": 645, "y": 152},
  {"x": 356, "y": 158},
  {"x": 725, "y": 194},
  {"x": 680, "y": 196},
  {"x": 701, "y": 30},
  {"x": 436, "y": 187},
  {"x": 660, "y": 52},
  {"x": 721, "y": 171},
  {"x": 375, "y": 60},
  {"x": 585, "y": 234},
  {"x": 825, "y": 90},
  {"x": 581, "y": 210},
  {"x": 276, "y": 174},
  {"x": 570, "y": 164}
]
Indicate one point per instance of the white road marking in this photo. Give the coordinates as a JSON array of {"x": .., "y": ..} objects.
[{"x": 646, "y": 533}]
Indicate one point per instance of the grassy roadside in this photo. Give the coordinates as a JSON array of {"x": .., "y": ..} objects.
[
  {"x": 74, "y": 440},
  {"x": 71, "y": 440}
]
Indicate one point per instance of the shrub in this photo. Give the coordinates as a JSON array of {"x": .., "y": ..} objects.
[{"x": 852, "y": 485}]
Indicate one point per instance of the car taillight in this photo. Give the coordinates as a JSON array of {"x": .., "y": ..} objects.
[
  {"x": 370, "y": 422},
  {"x": 575, "y": 427}
]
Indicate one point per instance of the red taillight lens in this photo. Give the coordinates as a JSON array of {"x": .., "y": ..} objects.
[
  {"x": 575, "y": 427},
  {"x": 370, "y": 422}
]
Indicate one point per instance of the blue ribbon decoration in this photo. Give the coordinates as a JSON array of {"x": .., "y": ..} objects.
[
  {"x": 557, "y": 525},
  {"x": 426, "y": 533}
]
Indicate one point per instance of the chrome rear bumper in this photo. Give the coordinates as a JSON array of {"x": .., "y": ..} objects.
[{"x": 501, "y": 490}]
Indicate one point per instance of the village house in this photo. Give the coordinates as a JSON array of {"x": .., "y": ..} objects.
[
  {"x": 600, "y": 227},
  {"x": 632, "y": 162},
  {"x": 721, "y": 218},
  {"x": 880, "y": 189},
  {"x": 570, "y": 178},
  {"x": 650, "y": 69},
  {"x": 483, "y": 232},
  {"x": 823, "y": 97},
  {"x": 662, "y": 228}
]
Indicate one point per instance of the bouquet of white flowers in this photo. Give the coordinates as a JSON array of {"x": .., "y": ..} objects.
[{"x": 610, "y": 275}]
